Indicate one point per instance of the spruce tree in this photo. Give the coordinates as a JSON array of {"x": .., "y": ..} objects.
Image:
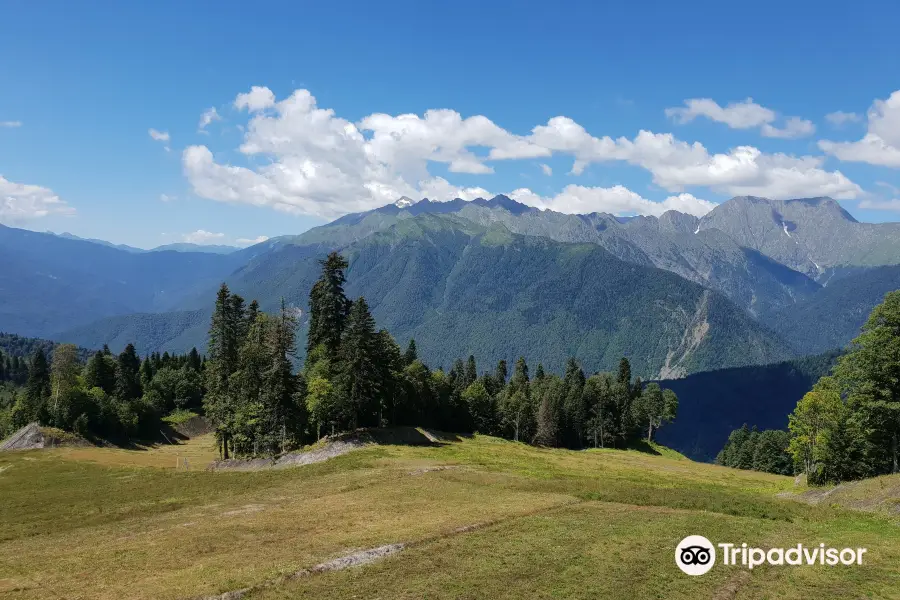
[
  {"x": 328, "y": 306},
  {"x": 411, "y": 353},
  {"x": 100, "y": 372},
  {"x": 471, "y": 372},
  {"x": 358, "y": 381},
  {"x": 128, "y": 381},
  {"x": 37, "y": 390}
]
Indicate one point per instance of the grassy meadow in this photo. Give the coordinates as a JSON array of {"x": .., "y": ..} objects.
[{"x": 480, "y": 517}]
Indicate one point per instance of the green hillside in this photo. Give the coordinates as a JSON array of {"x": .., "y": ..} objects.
[
  {"x": 459, "y": 288},
  {"x": 464, "y": 518},
  {"x": 832, "y": 317},
  {"x": 714, "y": 403}
]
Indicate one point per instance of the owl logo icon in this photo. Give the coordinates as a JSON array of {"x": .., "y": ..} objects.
[{"x": 695, "y": 555}]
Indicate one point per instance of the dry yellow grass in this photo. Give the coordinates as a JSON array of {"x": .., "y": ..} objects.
[{"x": 105, "y": 523}]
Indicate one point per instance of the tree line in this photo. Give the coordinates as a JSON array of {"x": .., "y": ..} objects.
[
  {"x": 111, "y": 397},
  {"x": 848, "y": 426},
  {"x": 355, "y": 375},
  {"x": 765, "y": 450}
]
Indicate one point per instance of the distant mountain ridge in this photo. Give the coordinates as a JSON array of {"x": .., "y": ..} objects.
[
  {"x": 461, "y": 288},
  {"x": 175, "y": 247},
  {"x": 785, "y": 265}
]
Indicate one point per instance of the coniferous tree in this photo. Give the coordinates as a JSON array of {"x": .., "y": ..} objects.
[
  {"x": 128, "y": 380},
  {"x": 471, "y": 372},
  {"x": 100, "y": 372},
  {"x": 411, "y": 353},
  {"x": 358, "y": 383},
  {"x": 32, "y": 404},
  {"x": 329, "y": 307},
  {"x": 549, "y": 410},
  {"x": 285, "y": 410},
  {"x": 222, "y": 349},
  {"x": 869, "y": 377},
  {"x": 574, "y": 410}
]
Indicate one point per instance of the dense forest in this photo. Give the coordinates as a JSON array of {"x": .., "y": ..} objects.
[
  {"x": 848, "y": 426},
  {"x": 115, "y": 398},
  {"x": 357, "y": 376},
  {"x": 353, "y": 375}
]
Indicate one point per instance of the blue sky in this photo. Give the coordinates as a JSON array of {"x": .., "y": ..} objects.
[{"x": 530, "y": 90}]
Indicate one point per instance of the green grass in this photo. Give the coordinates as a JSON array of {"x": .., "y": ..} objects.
[
  {"x": 177, "y": 417},
  {"x": 539, "y": 523}
]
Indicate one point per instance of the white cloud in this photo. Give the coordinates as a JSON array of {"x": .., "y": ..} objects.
[
  {"x": 21, "y": 202},
  {"x": 440, "y": 190},
  {"x": 209, "y": 115},
  {"x": 794, "y": 127},
  {"x": 251, "y": 241},
  {"x": 10, "y": 123},
  {"x": 304, "y": 159},
  {"x": 257, "y": 99},
  {"x": 616, "y": 200},
  {"x": 881, "y": 144},
  {"x": 203, "y": 237},
  {"x": 167, "y": 198},
  {"x": 839, "y": 118},
  {"x": 893, "y": 204},
  {"x": 547, "y": 170},
  {"x": 677, "y": 165},
  {"x": 737, "y": 115},
  {"x": 159, "y": 136},
  {"x": 742, "y": 115}
]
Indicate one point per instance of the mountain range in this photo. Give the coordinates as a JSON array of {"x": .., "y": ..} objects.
[{"x": 754, "y": 281}]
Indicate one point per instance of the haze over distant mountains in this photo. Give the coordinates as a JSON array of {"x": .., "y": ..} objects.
[
  {"x": 753, "y": 281},
  {"x": 177, "y": 246}
]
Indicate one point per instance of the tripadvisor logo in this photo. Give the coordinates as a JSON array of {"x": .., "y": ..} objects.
[{"x": 696, "y": 555}]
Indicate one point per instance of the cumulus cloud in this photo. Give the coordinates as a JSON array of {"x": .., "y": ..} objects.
[
  {"x": 305, "y": 159},
  {"x": 203, "y": 237},
  {"x": 251, "y": 241},
  {"x": 167, "y": 198},
  {"x": 794, "y": 127},
  {"x": 881, "y": 144},
  {"x": 22, "y": 202},
  {"x": 10, "y": 124},
  {"x": 616, "y": 200},
  {"x": 742, "y": 115},
  {"x": 737, "y": 115},
  {"x": 547, "y": 170},
  {"x": 676, "y": 165},
  {"x": 258, "y": 98},
  {"x": 839, "y": 118},
  {"x": 208, "y": 116}
]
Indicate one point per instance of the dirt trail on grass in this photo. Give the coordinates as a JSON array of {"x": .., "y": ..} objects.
[
  {"x": 333, "y": 447},
  {"x": 293, "y": 459}
]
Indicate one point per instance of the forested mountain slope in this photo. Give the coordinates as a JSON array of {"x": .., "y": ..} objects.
[
  {"x": 49, "y": 283},
  {"x": 833, "y": 317},
  {"x": 460, "y": 288},
  {"x": 671, "y": 242},
  {"x": 714, "y": 403}
]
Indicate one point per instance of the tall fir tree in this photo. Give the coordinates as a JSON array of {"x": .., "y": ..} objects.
[
  {"x": 411, "y": 353},
  {"x": 358, "y": 377},
  {"x": 329, "y": 307},
  {"x": 128, "y": 380}
]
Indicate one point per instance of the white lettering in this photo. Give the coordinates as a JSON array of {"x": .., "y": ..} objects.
[
  {"x": 757, "y": 557},
  {"x": 779, "y": 556}
]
